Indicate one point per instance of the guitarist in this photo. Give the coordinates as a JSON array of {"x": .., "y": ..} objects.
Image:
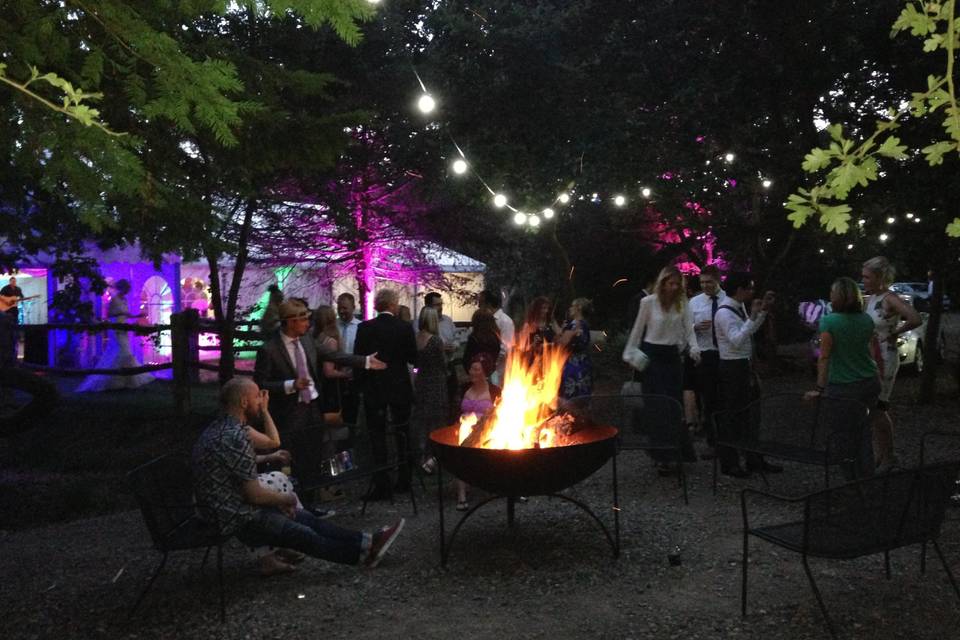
[{"x": 12, "y": 291}]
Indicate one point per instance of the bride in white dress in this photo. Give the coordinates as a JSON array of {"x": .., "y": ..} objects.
[{"x": 117, "y": 355}]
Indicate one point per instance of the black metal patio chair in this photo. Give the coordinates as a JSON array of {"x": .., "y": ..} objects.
[
  {"x": 646, "y": 422},
  {"x": 312, "y": 469},
  {"x": 861, "y": 518},
  {"x": 163, "y": 489},
  {"x": 822, "y": 431}
]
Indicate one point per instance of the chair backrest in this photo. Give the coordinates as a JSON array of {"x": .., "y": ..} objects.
[
  {"x": 645, "y": 420},
  {"x": 163, "y": 489},
  {"x": 833, "y": 425},
  {"x": 883, "y": 512}
]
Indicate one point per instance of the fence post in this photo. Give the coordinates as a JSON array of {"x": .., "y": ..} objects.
[{"x": 184, "y": 330}]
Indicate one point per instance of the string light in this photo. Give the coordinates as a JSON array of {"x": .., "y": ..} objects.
[
  {"x": 426, "y": 103},
  {"x": 520, "y": 218},
  {"x": 821, "y": 250},
  {"x": 861, "y": 222},
  {"x": 499, "y": 201},
  {"x": 460, "y": 167},
  {"x": 645, "y": 192},
  {"x": 767, "y": 183},
  {"x": 909, "y": 216},
  {"x": 891, "y": 220},
  {"x": 548, "y": 213},
  {"x": 564, "y": 198},
  {"x": 729, "y": 157},
  {"x": 849, "y": 247},
  {"x": 884, "y": 237},
  {"x": 534, "y": 221},
  {"x": 917, "y": 219},
  {"x": 619, "y": 200}
]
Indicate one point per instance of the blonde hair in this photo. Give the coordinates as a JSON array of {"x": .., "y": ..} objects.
[
  {"x": 429, "y": 320},
  {"x": 585, "y": 305},
  {"x": 669, "y": 271},
  {"x": 325, "y": 322},
  {"x": 848, "y": 294},
  {"x": 882, "y": 268}
]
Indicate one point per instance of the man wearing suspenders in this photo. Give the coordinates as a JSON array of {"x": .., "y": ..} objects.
[{"x": 735, "y": 329}]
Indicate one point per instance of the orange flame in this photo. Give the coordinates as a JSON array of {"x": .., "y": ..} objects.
[{"x": 528, "y": 399}]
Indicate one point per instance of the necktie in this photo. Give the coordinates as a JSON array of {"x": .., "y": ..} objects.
[
  {"x": 302, "y": 371},
  {"x": 713, "y": 313}
]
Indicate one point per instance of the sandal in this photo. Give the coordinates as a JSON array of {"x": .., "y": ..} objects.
[{"x": 463, "y": 505}]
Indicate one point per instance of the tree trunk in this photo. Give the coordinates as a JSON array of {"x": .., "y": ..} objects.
[{"x": 228, "y": 324}]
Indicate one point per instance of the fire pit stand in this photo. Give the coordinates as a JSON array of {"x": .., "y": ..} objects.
[{"x": 530, "y": 472}]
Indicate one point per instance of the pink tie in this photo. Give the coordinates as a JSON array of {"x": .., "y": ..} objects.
[{"x": 302, "y": 371}]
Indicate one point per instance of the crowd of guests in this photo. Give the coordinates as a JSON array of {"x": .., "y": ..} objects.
[
  {"x": 316, "y": 367},
  {"x": 698, "y": 349}
]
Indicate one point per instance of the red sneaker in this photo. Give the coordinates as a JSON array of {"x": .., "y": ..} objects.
[{"x": 381, "y": 542}]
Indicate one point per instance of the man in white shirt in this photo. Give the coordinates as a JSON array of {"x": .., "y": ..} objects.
[
  {"x": 704, "y": 306},
  {"x": 734, "y": 330},
  {"x": 490, "y": 301}
]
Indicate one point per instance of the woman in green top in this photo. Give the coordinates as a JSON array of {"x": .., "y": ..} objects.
[{"x": 846, "y": 368}]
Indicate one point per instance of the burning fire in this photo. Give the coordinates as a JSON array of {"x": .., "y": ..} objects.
[{"x": 525, "y": 416}]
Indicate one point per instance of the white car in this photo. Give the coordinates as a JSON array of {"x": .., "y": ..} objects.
[
  {"x": 909, "y": 345},
  {"x": 916, "y": 293}
]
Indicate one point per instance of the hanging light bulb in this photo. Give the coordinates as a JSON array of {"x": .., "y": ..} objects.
[
  {"x": 767, "y": 183},
  {"x": 499, "y": 201},
  {"x": 619, "y": 201},
  {"x": 645, "y": 192},
  {"x": 520, "y": 218},
  {"x": 426, "y": 103},
  {"x": 884, "y": 237},
  {"x": 564, "y": 198},
  {"x": 891, "y": 220},
  {"x": 729, "y": 157},
  {"x": 460, "y": 166},
  {"x": 534, "y": 221},
  {"x": 548, "y": 213}
]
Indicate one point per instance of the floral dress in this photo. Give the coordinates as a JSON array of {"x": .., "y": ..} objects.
[{"x": 577, "y": 377}]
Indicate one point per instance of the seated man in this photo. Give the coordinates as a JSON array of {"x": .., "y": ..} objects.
[{"x": 229, "y": 494}]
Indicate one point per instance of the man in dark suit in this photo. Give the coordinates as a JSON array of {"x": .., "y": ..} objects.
[
  {"x": 288, "y": 367},
  {"x": 389, "y": 389}
]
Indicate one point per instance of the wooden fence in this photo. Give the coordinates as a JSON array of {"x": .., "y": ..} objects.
[{"x": 185, "y": 329}]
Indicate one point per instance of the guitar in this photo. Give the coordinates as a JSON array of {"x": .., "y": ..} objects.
[{"x": 9, "y": 302}]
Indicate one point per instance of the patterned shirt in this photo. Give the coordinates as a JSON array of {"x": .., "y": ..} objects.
[{"x": 223, "y": 460}]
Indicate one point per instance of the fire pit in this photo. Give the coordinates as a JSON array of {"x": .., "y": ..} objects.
[{"x": 526, "y": 446}]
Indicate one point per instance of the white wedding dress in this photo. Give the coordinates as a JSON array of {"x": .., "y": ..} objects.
[{"x": 117, "y": 355}]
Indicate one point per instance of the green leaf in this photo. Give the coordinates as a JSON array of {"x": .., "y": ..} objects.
[
  {"x": 891, "y": 148},
  {"x": 817, "y": 159},
  {"x": 800, "y": 208},
  {"x": 953, "y": 229},
  {"x": 846, "y": 176},
  {"x": 933, "y": 43},
  {"x": 937, "y": 150},
  {"x": 835, "y": 218},
  {"x": 836, "y": 132}
]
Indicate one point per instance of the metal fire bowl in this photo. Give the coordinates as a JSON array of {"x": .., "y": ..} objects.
[{"x": 525, "y": 472}]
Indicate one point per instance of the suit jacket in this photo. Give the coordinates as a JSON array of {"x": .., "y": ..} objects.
[
  {"x": 392, "y": 340},
  {"x": 274, "y": 367}
]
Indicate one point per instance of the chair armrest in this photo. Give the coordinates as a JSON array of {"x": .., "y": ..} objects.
[{"x": 768, "y": 496}]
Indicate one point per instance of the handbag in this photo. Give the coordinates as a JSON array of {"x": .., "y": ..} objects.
[{"x": 636, "y": 358}]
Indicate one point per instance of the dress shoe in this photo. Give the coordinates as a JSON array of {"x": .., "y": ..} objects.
[
  {"x": 765, "y": 467},
  {"x": 735, "y": 471}
]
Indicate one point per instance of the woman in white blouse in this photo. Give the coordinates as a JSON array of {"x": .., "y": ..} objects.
[{"x": 663, "y": 330}]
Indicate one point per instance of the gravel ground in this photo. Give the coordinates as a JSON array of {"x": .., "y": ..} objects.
[{"x": 553, "y": 576}]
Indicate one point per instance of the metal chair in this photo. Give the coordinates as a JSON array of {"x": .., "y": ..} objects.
[
  {"x": 861, "y": 518},
  {"x": 163, "y": 489},
  {"x": 311, "y": 468},
  {"x": 646, "y": 422},
  {"x": 787, "y": 426}
]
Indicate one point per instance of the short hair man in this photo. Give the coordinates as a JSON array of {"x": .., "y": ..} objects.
[
  {"x": 347, "y": 322},
  {"x": 704, "y": 306},
  {"x": 389, "y": 389},
  {"x": 230, "y": 496},
  {"x": 735, "y": 329},
  {"x": 490, "y": 301},
  {"x": 288, "y": 367}
]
